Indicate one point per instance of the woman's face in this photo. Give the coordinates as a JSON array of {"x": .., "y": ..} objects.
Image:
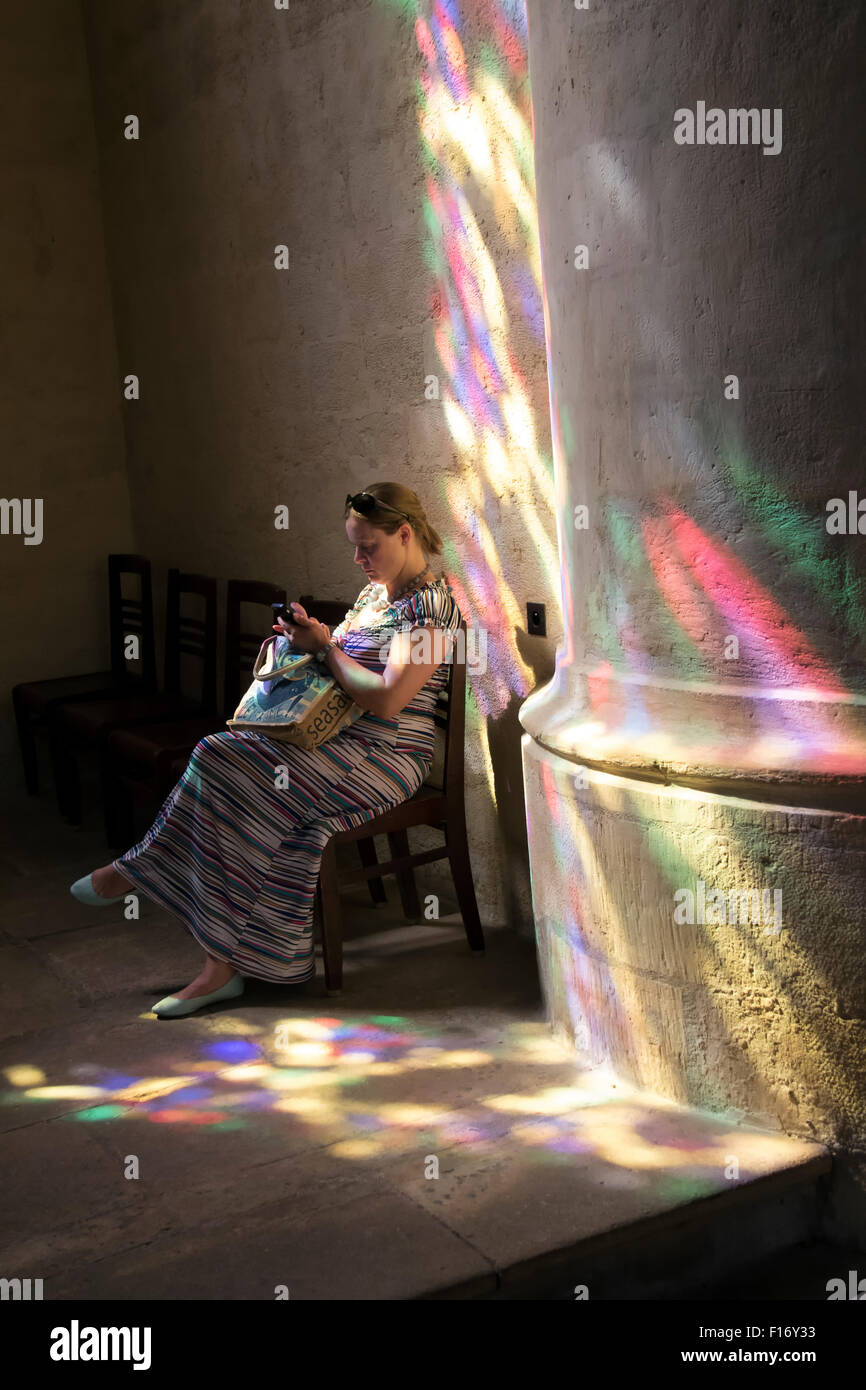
[{"x": 379, "y": 555}]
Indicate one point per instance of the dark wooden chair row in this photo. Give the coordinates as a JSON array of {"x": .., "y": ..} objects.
[
  {"x": 90, "y": 726},
  {"x": 129, "y": 616},
  {"x": 139, "y": 760},
  {"x": 120, "y": 715}
]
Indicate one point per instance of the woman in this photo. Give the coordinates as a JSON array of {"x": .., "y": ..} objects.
[{"x": 236, "y": 853}]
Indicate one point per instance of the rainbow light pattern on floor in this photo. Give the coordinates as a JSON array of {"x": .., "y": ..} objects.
[{"x": 332, "y": 1080}]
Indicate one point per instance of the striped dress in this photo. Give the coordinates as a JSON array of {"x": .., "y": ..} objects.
[{"x": 236, "y": 854}]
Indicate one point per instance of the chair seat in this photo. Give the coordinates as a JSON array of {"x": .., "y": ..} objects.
[
  {"x": 37, "y": 696},
  {"x": 426, "y": 792},
  {"x": 97, "y": 717},
  {"x": 145, "y": 744},
  {"x": 426, "y": 807}
]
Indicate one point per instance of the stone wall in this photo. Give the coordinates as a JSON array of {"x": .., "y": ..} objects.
[
  {"x": 705, "y": 723},
  {"x": 60, "y": 402}
]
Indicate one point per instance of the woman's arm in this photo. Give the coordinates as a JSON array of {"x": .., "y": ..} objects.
[
  {"x": 413, "y": 656},
  {"x": 412, "y": 659}
]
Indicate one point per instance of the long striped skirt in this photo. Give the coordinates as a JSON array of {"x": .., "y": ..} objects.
[{"x": 236, "y": 849}]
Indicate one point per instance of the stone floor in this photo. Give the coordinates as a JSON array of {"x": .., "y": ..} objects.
[{"x": 421, "y": 1135}]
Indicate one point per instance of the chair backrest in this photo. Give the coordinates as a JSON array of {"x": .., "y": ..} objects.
[
  {"x": 455, "y": 728},
  {"x": 242, "y": 647},
  {"x": 446, "y": 772},
  {"x": 128, "y": 616},
  {"x": 329, "y": 611},
  {"x": 192, "y": 636}
]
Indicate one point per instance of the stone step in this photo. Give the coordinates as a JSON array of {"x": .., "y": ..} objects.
[{"x": 688, "y": 1251}]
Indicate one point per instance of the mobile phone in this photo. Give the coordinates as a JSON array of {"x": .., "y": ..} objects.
[{"x": 281, "y": 611}]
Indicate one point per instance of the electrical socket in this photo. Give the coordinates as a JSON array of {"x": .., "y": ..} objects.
[{"x": 536, "y": 620}]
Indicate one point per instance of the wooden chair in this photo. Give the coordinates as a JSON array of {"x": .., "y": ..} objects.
[
  {"x": 141, "y": 759},
  {"x": 443, "y": 809},
  {"x": 329, "y": 611},
  {"x": 77, "y": 726},
  {"x": 127, "y": 616}
]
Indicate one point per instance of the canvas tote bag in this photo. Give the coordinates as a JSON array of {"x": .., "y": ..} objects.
[{"x": 292, "y": 699}]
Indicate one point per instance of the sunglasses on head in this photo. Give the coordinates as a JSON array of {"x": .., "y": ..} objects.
[{"x": 365, "y": 502}]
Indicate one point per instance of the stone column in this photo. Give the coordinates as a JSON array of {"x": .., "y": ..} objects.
[{"x": 695, "y": 771}]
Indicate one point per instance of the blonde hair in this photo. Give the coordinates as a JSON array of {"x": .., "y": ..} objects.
[{"x": 395, "y": 495}]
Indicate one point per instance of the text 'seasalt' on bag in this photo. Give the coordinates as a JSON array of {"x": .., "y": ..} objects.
[{"x": 291, "y": 700}]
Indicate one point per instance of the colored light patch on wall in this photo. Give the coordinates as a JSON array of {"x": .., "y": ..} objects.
[{"x": 474, "y": 120}]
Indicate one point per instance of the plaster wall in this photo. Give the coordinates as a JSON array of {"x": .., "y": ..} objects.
[{"x": 61, "y": 434}]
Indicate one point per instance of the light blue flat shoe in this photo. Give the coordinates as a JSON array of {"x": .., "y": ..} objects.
[
  {"x": 172, "y": 1007},
  {"x": 84, "y": 891}
]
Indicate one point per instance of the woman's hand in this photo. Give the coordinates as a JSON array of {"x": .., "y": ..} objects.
[{"x": 305, "y": 634}]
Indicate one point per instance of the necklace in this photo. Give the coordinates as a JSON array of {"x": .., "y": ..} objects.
[
  {"x": 382, "y": 604},
  {"x": 408, "y": 585}
]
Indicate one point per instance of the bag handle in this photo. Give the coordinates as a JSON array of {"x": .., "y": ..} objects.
[{"x": 299, "y": 662}]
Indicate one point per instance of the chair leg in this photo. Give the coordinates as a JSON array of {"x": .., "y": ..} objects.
[
  {"x": 67, "y": 781},
  {"x": 461, "y": 872},
  {"x": 117, "y": 807},
  {"x": 399, "y": 843},
  {"x": 368, "y": 856},
  {"x": 329, "y": 912},
  {"x": 27, "y": 744}
]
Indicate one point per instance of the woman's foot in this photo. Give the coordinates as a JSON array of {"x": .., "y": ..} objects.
[
  {"x": 108, "y": 883},
  {"x": 214, "y": 975}
]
